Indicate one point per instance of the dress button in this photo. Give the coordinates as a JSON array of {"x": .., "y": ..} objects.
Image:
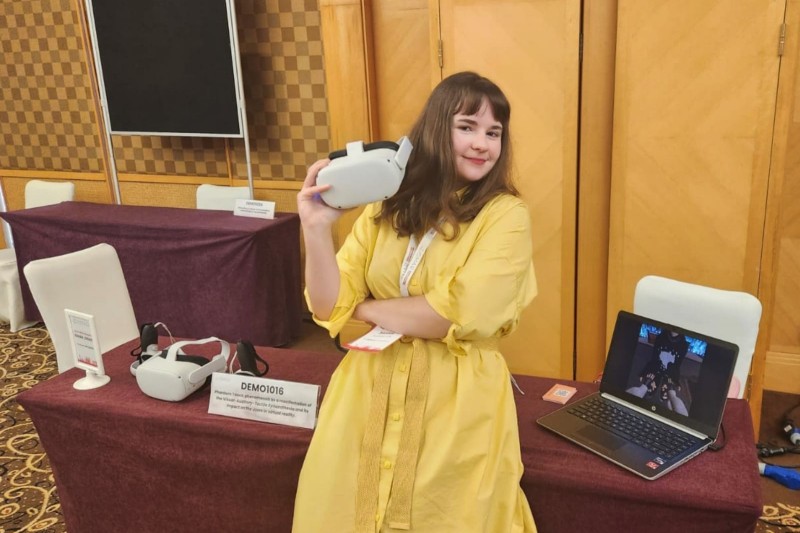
[
  {"x": 402, "y": 367},
  {"x": 396, "y": 417},
  {"x": 387, "y": 464}
]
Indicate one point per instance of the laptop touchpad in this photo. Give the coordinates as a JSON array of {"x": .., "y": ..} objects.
[{"x": 601, "y": 437}]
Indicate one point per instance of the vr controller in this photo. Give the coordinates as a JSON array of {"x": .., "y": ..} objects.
[{"x": 364, "y": 173}]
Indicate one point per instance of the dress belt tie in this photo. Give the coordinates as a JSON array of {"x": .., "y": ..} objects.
[{"x": 398, "y": 514}]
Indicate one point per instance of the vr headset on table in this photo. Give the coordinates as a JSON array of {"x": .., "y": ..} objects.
[
  {"x": 364, "y": 173},
  {"x": 172, "y": 375}
]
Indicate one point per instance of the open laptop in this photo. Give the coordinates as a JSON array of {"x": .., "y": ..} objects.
[{"x": 661, "y": 398}]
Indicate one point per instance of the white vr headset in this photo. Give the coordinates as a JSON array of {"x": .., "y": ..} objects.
[
  {"x": 362, "y": 174},
  {"x": 172, "y": 376}
]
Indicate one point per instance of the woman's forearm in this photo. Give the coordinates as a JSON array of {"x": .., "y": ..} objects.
[
  {"x": 322, "y": 272},
  {"x": 411, "y": 316}
]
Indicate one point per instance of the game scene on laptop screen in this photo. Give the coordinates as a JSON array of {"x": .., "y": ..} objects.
[{"x": 666, "y": 368}]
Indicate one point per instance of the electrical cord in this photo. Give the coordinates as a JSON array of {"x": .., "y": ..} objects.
[
  {"x": 717, "y": 445},
  {"x": 772, "y": 449}
]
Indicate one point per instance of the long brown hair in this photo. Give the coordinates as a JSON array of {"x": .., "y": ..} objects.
[{"x": 428, "y": 195}]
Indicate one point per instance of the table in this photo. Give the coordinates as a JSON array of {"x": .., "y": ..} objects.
[
  {"x": 200, "y": 272},
  {"x": 126, "y": 462}
]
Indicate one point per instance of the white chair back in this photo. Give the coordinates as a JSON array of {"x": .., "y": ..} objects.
[
  {"x": 6, "y": 228},
  {"x": 90, "y": 281},
  {"x": 11, "y": 307},
  {"x": 219, "y": 197},
  {"x": 728, "y": 315},
  {"x": 41, "y": 192}
]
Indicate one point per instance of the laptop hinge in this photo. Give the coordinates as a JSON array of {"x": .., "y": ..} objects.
[{"x": 657, "y": 416}]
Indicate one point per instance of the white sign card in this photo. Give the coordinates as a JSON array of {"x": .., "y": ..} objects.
[
  {"x": 375, "y": 340},
  {"x": 264, "y": 400},
  {"x": 86, "y": 349},
  {"x": 254, "y": 209}
]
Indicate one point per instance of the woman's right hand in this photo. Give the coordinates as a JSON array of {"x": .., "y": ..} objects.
[{"x": 314, "y": 213}]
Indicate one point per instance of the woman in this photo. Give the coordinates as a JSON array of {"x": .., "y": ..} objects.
[{"x": 423, "y": 436}]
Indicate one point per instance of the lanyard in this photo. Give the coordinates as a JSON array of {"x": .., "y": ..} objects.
[{"x": 413, "y": 256}]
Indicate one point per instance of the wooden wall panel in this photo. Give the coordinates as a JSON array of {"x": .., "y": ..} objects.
[
  {"x": 781, "y": 257},
  {"x": 694, "y": 110},
  {"x": 786, "y": 321},
  {"x": 47, "y": 116},
  {"x": 347, "y": 77},
  {"x": 530, "y": 49},
  {"x": 404, "y": 73},
  {"x": 694, "y": 106},
  {"x": 594, "y": 185}
]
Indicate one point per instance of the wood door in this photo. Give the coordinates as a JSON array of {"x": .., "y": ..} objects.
[
  {"x": 693, "y": 117},
  {"x": 530, "y": 48},
  {"x": 781, "y": 257},
  {"x": 405, "y": 36}
]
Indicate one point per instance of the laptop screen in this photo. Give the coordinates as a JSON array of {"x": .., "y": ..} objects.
[{"x": 679, "y": 374}]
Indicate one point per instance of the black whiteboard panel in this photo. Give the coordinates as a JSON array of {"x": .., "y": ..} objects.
[{"x": 167, "y": 66}]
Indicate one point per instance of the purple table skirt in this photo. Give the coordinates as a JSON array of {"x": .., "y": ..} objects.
[
  {"x": 126, "y": 462},
  {"x": 200, "y": 272}
]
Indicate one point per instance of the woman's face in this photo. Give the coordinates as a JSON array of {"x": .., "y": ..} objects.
[{"x": 476, "y": 143}]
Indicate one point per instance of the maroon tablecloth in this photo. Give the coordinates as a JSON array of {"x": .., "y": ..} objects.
[
  {"x": 124, "y": 462},
  {"x": 200, "y": 272},
  {"x": 571, "y": 489}
]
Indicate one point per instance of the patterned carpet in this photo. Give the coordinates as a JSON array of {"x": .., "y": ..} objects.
[{"x": 28, "y": 499}]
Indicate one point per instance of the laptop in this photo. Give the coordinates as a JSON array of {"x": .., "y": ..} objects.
[{"x": 661, "y": 398}]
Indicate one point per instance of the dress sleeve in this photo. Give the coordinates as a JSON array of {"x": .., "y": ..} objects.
[
  {"x": 485, "y": 296},
  {"x": 352, "y": 258}
]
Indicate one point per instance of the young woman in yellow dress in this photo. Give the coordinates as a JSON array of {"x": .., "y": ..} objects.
[{"x": 422, "y": 436}]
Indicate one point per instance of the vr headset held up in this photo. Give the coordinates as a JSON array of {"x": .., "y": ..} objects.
[{"x": 364, "y": 173}]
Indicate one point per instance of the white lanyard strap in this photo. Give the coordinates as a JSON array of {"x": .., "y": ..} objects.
[{"x": 413, "y": 256}]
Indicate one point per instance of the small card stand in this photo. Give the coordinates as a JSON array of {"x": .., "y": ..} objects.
[
  {"x": 91, "y": 381},
  {"x": 86, "y": 350}
]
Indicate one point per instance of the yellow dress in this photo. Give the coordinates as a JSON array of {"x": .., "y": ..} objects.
[{"x": 423, "y": 436}]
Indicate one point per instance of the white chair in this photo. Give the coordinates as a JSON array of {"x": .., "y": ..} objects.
[
  {"x": 12, "y": 309},
  {"x": 728, "y": 315},
  {"x": 219, "y": 197},
  {"x": 41, "y": 192},
  {"x": 37, "y": 193},
  {"x": 90, "y": 281}
]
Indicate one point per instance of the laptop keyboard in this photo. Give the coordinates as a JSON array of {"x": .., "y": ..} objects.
[{"x": 658, "y": 438}]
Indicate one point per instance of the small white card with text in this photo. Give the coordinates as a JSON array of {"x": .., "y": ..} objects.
[
  {"x": 83, "y": 337},
  {"x": 254, "y": 208},
  {"x": 375, "y": 340},
  {"x": 264, "y": 400}
]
